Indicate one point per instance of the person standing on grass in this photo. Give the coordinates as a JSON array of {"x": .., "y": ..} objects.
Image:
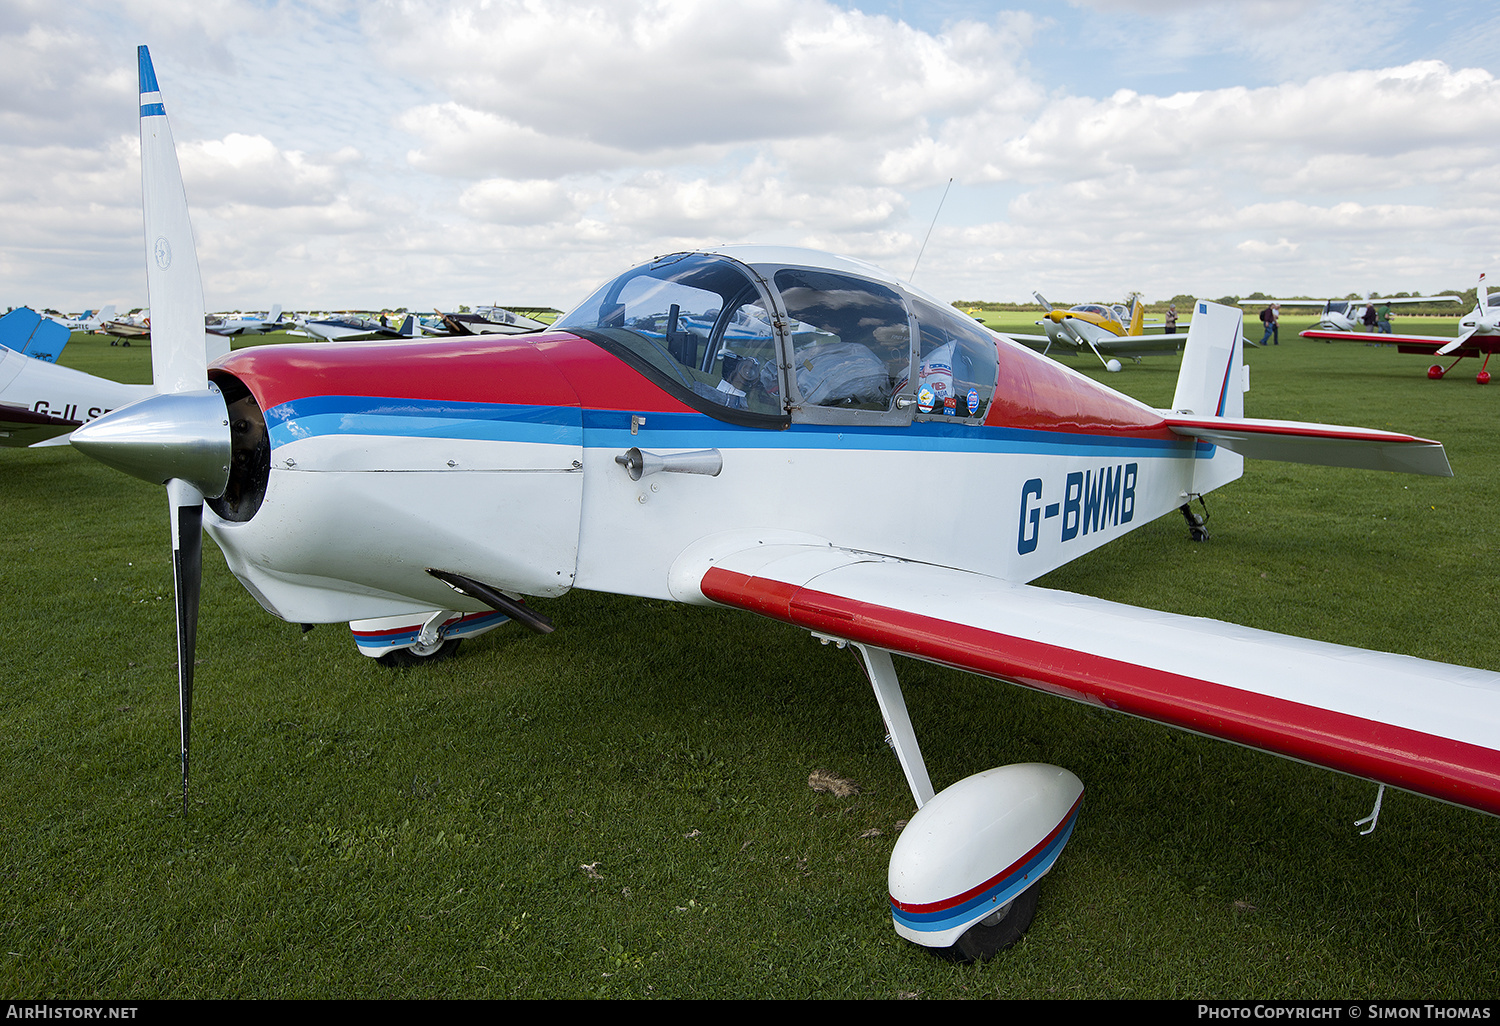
[
  {"x": 1171, "y": 328},
  {"x": 1383, "y": 318},
  {"x": 1270, "y": 317}
]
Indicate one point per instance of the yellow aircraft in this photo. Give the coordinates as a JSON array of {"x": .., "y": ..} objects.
[{"x": 1112, "y": 328}]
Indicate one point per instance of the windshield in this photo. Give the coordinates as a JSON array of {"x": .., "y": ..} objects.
[{"x": 692, "y": 321}]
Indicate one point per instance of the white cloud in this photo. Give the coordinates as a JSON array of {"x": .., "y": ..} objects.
[
  {"x": 434, "y": 151},
  {"x": 608, "y": 85}
]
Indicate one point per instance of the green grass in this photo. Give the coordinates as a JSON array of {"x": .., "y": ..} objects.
[{"x": 361, "y": 832}]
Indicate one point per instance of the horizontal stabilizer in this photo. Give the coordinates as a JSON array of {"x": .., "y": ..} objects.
[{"x": 1325, "y": 445}]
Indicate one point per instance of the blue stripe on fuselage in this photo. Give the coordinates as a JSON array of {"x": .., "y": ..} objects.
[
  {"x": 422, "y": 418},
  {"x": 566, "y": 425}
]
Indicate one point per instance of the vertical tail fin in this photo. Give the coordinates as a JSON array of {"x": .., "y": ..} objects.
[
  {"x": 1137, "y": 317},
  {"x": 1212, "y": 383},
  {"x": 1212, "y": 380}
]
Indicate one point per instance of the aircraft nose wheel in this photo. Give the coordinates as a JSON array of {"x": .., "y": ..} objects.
[
  {"x": 993, "y": 934},
  {"x": 420, "y": 655}
]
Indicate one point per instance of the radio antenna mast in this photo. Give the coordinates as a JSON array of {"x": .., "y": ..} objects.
[{"x": 935, "y": 213}]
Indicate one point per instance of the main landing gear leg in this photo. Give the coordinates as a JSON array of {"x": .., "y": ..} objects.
[
  {"x": 1196, "y": 521},
  {"x": 963, "y": 873}
]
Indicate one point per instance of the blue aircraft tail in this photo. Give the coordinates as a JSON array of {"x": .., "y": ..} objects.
[{"x": 27, "y": 331}]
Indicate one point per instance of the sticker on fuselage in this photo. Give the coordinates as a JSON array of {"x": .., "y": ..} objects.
[{"x": 1092, "y": 500}]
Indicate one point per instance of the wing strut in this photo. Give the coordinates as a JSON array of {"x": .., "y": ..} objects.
[{"x": 882, "y": 674}]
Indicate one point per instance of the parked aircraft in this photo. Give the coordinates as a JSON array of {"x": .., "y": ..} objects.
[
  {"x": 1478, "y": 335},
  {"x": 1103, "y": 328},
  {"x": 634, "y": 450},
  {"x": 40, "y": 400},
  {"x": 89, "y": 321},
  {"x": 128, "y": 327},
  {"x": 242, "y": 325},
  {"x": 489, "y": 320},
  {"x": 351, "y": 328},
  {"x": 1345, "y": 314}
]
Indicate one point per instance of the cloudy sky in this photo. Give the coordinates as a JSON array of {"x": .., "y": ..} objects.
[{"x": 436, "y": 152}]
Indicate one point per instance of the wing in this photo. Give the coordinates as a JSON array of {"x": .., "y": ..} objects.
[
  {"x": 1423, "y": 726},
  {"x": 1417, "y": 343},
  {"x": 1143, "y": 345},
  {"x": 20, "y": 426},
  {"x": 1430, "y": 345}
]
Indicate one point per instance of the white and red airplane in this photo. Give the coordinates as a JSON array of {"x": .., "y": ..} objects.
[
  {"x": 734, "y": 427},
  {"x": 1478, "y": 335},
  {"x": 1345, "y": 315}
]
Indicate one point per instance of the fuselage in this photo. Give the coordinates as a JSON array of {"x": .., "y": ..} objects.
[
  {"x": 498, "y": 459},
  {"x": 1090, "y": 322},
  {"x": 40, "y": 400}
]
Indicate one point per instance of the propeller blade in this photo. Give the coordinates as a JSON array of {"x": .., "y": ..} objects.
[
  {"x": 186, "y": 506},
  {"x": 180, "y": 346},
  {"x": 1456, "y": 343},
  {"x": 1045, "y": 305}
]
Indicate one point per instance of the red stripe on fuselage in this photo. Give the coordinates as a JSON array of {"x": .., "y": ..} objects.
[
  {"x": 559, "y": 369},
  {"x": 1453, "y": 771},
  {"x": 1038, "y": 393},
  {"x": 555, "y": 369}
]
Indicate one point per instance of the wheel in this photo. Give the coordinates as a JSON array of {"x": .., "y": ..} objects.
[
  {"x": 1434, "y": 372},
  {"x": 1483, "y": 377},
  {"x": 993, "y": 934},
  {"x": 419, "y": 656}
]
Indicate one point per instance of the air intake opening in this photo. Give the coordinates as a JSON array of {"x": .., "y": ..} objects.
[{"x": 250, "y": 452}]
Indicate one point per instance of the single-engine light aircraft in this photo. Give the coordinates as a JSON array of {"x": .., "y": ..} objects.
[
  {"x": 87, "y": 321},
  {"x": 353, "y": 328},
  {"x": 1478, "y": 335},
  {"x": 1102, "y": 328},
  {"x": 39, "y": 400},
  {"x": 244, "y": 324},
  {"x": 1345, "y": 315},
  {"x": 489, "y": 320},
  {"x": 724, "y": 427}
]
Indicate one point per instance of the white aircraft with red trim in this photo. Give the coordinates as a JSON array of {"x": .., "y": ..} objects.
[
  {"x": 1478, "y": 335},
  {"x": 1346, "y": 315},
  {"x": 725, "y": 427}
]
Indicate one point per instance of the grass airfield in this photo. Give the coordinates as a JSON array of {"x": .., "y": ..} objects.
[{"x": 620, "y": 809}]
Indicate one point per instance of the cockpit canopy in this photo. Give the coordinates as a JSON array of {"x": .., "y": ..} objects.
[{"x": 801, "y": 336}]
